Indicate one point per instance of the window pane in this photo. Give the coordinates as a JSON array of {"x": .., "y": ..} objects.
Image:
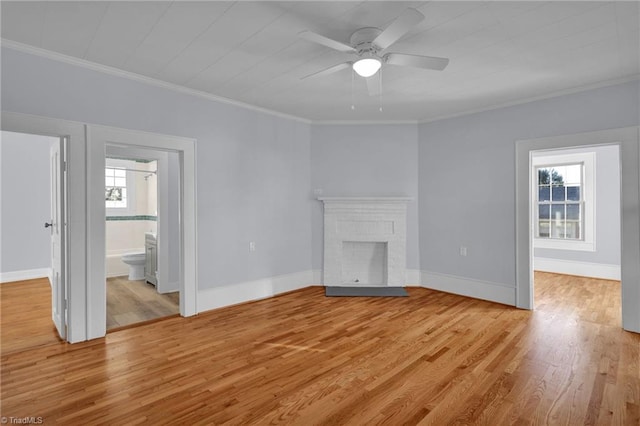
[
  {"x": 108, "y": 172},
  {"x": 121, "y": 181},
  {"x": 109, "y": 181},
  {"x": 573, "y": 211},
  {"x": 573, "y": 230},
  {"x": 557, "y": 212},
  {"x": 543, "y": 228},
  {"x": 543, "y": 193},
  {"x": 573, "y": 174},
  {"x": 557, "y": 193},
  {"x": 120, "y": 172},
  {"x": 543, "y": 211},
  {"x": 557, "y": 229},
  {"x": 573, "y": 193},
  {"x": 114, "y": 194},
  {"x": 543, "y": 176}
]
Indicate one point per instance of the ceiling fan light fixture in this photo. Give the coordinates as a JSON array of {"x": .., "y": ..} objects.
[{"x": 367, "y": 67}]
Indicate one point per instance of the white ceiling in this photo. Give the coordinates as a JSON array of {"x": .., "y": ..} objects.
[{"x": 501, "y": 52}]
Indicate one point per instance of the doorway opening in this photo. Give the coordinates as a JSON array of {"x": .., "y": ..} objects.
[
  {"x": 628, "y": 142},
  {"x": 575, "y": 206},
  {"x": 34, "y": 234},
  {"x": 140, "y": 233},
  {"x": 176, "y": 226}
]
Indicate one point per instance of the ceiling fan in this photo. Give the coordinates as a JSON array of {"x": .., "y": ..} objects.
[{"x": 369, "y": 44}]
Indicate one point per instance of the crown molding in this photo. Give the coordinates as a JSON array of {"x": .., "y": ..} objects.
[
  {"x": 141, "y": 78},
  {"x": 554, "y": 94}
]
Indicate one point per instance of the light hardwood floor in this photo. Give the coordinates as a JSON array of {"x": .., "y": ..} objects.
[
  {"x": 301, "y": 358},
  {"x": 131, "y": 302}
]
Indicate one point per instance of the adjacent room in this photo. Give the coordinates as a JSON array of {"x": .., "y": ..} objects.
[{"x": 331, "y": 212}]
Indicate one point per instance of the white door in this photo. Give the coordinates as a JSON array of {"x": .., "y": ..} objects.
[{"x": 57, "y": 227}]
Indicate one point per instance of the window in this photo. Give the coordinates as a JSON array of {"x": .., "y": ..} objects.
[
  {"x": 115, "y": 187},
  {"x": 563, "y": 200},
  {"x": 560, "y": 204},
  {"x": 120, "y": 187}
]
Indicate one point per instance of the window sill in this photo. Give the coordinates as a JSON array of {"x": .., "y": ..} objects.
[{"x": 564, "y": 244}]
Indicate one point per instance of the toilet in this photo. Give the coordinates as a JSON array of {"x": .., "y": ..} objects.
[{"x": 136, "y": 263}]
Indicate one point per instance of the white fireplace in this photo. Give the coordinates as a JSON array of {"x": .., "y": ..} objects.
[{"x": 365, "y": 241}]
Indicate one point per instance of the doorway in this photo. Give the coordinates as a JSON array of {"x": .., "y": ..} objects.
[
  {"x": 34, "y": 220},
  {"x": 575, "y": 206},
  {"x": 102, "y": 141},
  {"x": 628, "y": 141},
  {"x": 142, "y": 235}
]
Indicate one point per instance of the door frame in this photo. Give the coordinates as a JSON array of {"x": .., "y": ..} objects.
[
  {"x": 75, "y": 279},
  {"x": 628, "y": 139},
  {"x": 59, "y": 228},
  {"x": 97, "y": 139}
]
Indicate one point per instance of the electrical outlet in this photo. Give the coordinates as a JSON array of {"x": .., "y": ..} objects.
[
  {"x": 252, "y": 246},
  {"x": 317, "y": 192},
  {"x": 463, "y": 251}
]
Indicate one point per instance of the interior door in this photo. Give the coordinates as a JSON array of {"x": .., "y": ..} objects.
[{"x": 57, "y": 227}]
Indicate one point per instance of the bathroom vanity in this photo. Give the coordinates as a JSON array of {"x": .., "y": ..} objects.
[{"x": 151, "y": 252}]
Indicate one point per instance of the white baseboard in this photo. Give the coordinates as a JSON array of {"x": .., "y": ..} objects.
[
  {"x": 28, "y": 274},
  {"x": 583, "y": 269},
  {"x": 469, "y": 287},
  {"x": 168, "y": 288},
  {"x": 218, "y": 297}
]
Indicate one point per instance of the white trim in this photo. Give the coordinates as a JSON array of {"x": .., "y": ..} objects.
[
  {"x": 140, "y": 78},
  {"x": 181, "y": 89},
  {"x": 574, "y": 267},
  {"x": 554, "y": 94},
  {"x": 169, "y": 287},
  {"x": 27, "y": 274},
  {"x": 97, "y": 139},
  {"x": 477, "y": 289},
  {"x": 263, "y": 288}
]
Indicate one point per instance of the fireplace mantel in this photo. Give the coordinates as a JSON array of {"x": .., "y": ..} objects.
[{"x": 365, "y": 239}]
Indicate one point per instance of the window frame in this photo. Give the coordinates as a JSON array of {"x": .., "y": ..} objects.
[
  {"x": 587, "y": 159},
  {"x": 112, "y": 163}
]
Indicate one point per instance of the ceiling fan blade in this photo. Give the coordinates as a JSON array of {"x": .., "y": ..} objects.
[
  {"x": 330, "y": 70},
  {"x": 427, "y": 62},
  {"x": 373, "y": 84},
  {"x": 326, "y": 41},
  {"x": 402, "y": 24}
]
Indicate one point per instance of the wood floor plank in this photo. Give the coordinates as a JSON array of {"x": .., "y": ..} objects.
[{"x": 301, "y": 358}]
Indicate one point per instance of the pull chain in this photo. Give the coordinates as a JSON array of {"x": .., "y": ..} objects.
[
  {"x": 380, "y": 90},
  {"x": 353, "y": 106}
]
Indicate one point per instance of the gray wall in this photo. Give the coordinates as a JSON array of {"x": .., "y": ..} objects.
[
  {"x": 25, "y": 202},
  {"x": 607, "y": 210},
  {"x": 365, "y": 160},
  {"x": 467, "y": 175},
  {"x": 252, "y": 168},
  {"x": 256, "y": 172}
]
